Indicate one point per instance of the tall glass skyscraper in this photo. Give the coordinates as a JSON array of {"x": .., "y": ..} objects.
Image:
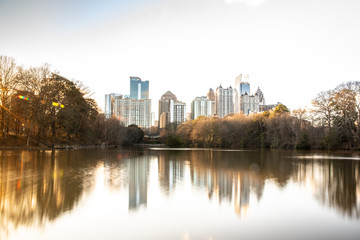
[
  {"x": 242, "y": 84},
  {"x": 139, "y": 89},
  {"x": 244, "y": 88}
]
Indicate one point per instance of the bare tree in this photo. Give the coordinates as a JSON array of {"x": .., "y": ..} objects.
[
  {"x": 323, "y": 108},
  {"x": 7, "y": 86}
]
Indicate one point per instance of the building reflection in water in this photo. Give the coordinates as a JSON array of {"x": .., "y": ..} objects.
[
  {"x": 39, "y": 186},
  {"x": 171, "y": 170},
  {"x": 138, "y": 181},
  {"x": 224, "y": 180}
]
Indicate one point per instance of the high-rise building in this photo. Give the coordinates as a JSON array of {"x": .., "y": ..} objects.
[
  {"x": 179, "y": 113},
  {"x": 165, "y": 102},
  {"x": 242, "y": 84},
  {"x": 224, "y": 101},
  {"x": 139, "y": 89},
  {"x": 109, "y": 104},
  {"x": 171, "y": 110},
  {"x": 236, "y": 101},
  {"x": 200, "y": 106},
  {"x": 211, "y": 97},
  {"x": 261, "y": 96},
  {"x": 133, "y": 111},
  {"x": 242, "y": 87},
  {"x": 249, "y": 104}
]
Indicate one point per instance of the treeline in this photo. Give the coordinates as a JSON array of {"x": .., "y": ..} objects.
[
  {"x": 47, "y": 108},
  {"x": 331, "y": 123}
]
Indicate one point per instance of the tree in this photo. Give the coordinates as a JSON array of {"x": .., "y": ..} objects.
[
  {"x": 280, "y": 109},
  {"x": 344, "y": 102},
  {"x": 7, "y": 85},
  {"x": 133, "y": 135},
  {"x": 323, "y": 108}
]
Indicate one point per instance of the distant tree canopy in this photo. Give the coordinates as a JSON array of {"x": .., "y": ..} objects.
[
  {"x": 332, "y": 123},
  {"x": 280, "y": 109},
  {"x": 52, "y": 109}
]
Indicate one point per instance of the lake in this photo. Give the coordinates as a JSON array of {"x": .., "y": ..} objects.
[{"x": 179, "y": 194}]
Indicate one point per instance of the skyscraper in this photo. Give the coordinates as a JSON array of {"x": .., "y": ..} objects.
[
  {"x": 224, "y": 101},
  {"x": 261, "y": 96},
  {"x": 249, "y": 104},
  {"x": 211, "y": 97},
  {"x": 133, "y": 111},
  {"x": 242, "y": 84},
  {"x": 236, "y": 101},
  {"x": 244, "y": 88},
  {"x": 139, "y": 89},
  {"x": 200, "y": 106},
  {"x": 171, "y": 110},
  {"x": 109, "y": 104}
]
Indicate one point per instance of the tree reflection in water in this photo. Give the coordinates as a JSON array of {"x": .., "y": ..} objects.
[{"x": 39, "y": 186}]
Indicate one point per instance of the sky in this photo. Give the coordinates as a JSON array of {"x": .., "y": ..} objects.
[{"x": 291, "y": 49}]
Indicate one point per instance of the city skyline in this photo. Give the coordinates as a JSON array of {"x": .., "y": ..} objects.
[
  {"x": 135, "y": 108},
  {"x": 293, "y": 50}
]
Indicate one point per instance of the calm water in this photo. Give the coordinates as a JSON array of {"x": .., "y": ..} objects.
[{"x": 178, "y": 194}]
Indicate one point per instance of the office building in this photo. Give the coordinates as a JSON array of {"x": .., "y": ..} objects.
[
  {"x": 139, "y": 89},
  {"x": 236, "y": 101},
  {"x": 224, "y": 101},
  {"x": 260, "y": 94},
  {"x": 249, "y": 104},
  {"x": 171, "y": 110},
  {"x": 242, "y": 84},
  {"x": 109, "y": 104},
  {"x": 133, "y": 111},
  {"x": 211, "y": 97},
  {"x": 201, "y": 106}
]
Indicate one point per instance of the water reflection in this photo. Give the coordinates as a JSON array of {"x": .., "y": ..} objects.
[
  {"x": 171, "y": 170},
  {"x": 138, "y": 182},
  {"x": 39, "y": 186},
  {"x": 334, "y": 183}
]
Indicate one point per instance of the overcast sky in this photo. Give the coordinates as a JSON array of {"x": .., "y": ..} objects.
[{"x": 292, "y": 49}]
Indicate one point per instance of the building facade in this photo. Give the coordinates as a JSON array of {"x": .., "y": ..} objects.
[
  {"x": 236, "y": 101},
  {"x": 201, "y": 106},
  {"x": 133, "y": 111},
  {"x": 211, "y": 97},
  {"x": 224, "y": 101},
  {"x": 139, "y": 89},
  {"x": 109, "y": 104},
  {"x": 261, "y": 96},
  {"x": 249, "y": 104},
  {"x": 242, "y": 84},
  {"x": 179, "y": 113},
  {"x": 171, "y": 110}
]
